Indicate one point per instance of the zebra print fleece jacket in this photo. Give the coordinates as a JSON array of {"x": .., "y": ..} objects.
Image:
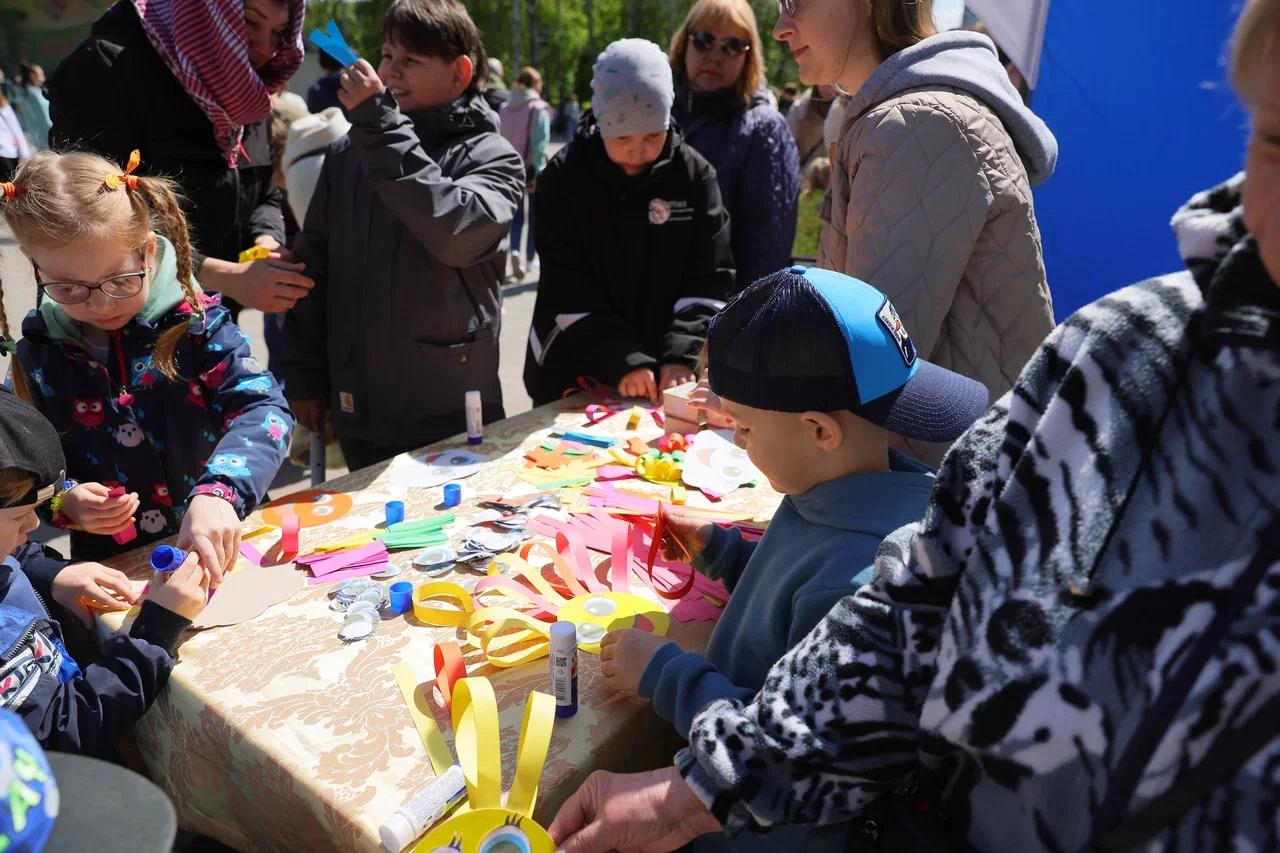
[{"x": 1079, "y": 537}]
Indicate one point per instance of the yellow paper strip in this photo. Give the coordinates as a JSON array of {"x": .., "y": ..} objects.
[
  {"x": 423, "y": 720},
  {"x": 478, "y": 740},
  {"x": 535, "y": 739},
  {"x": 358, "y": 541}
]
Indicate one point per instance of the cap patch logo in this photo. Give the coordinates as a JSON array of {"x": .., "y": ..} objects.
[
  {"x": 659, "y": 212},
  {"x": 888, "y": 317}
]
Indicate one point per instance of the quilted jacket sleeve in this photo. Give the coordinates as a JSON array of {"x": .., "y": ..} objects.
[{"x": 907, "y": 212}]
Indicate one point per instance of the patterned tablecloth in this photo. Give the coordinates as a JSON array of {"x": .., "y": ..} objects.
[{"x": 274, "y": 735}]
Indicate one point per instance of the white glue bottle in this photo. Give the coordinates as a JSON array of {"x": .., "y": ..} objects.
[
  {"x": 475, "y": 418},
  {"x": 564, "y": 668},
  {"x": 423, "y": 809}
]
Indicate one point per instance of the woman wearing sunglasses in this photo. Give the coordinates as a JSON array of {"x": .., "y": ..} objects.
[
  {"x": 723, "y": 108},
  {"x": 931, "y": 178}
]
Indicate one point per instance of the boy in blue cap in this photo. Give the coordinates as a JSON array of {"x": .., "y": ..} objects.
[{"x": 817, "y": 372}]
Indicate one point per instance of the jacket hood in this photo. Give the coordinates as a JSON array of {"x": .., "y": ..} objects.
[
  {"x": 966, "y": 61},
  {"x": 520, "y": 97},
  {"x": 467, "y": 115},
  {"x": 166, "y": 294},
  {"x": 314, "y": 132}
]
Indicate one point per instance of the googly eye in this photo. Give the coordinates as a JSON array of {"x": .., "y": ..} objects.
[
  {"x": 508, "y": 838},
  {"x": 321, "y": 511},
  {"x": 323, "y": 499}
]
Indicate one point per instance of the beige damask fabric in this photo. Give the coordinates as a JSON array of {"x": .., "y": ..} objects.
[
  {"x": 274, "y": 735},
  {"x": 930, "y": 203}
]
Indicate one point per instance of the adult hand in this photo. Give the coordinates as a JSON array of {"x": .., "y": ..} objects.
[
  {"x": 358, "y": 84},
  {"x": 88, "y": 506},
  {"x": 271, "y": 285},
  {"x": 212, "y": 529},
  {"x": 184, "y": 591},
  {"x": 671, "y": 375},
  {"x": 691, "y": 636},
  {"x": 643, "y": 812},
  {"x": 267, "y": 242},
  {"x": 111, "y": 589},
  {"x": 310, "y": 413},
  {"x": 625, "y": 655},
  {"x": 684, "y": 534},
  {"x": 639, "y": 383}
]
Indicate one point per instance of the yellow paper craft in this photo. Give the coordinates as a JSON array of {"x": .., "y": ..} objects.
[
  {"x": 484, "y": 824},
  {"x": 357, "y": 541},
  {"x": 416, "y": 701},
  {"x": 257, "y": 253},
  {"x": 575, "y": 473}
]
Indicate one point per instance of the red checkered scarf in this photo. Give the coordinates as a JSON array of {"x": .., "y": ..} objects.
[{"x": 203, "y": 44}]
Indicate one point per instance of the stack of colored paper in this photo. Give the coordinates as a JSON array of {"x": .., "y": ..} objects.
[
  {"x": 356, "y": 563},
  {"x": 417, "y": 534}
]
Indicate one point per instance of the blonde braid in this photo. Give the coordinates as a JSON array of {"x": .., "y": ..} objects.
[
  {"x": 21, "y": 386},
  {"x": 158, "y": 196}
]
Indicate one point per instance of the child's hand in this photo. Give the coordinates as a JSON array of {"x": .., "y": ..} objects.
[
  {"x": 359, "y": 83},
  {"x": 88, "y": 506},
  {"x": 110, "y": 588},
  {"x": 212, "y": 529},
  {"x": 684, "y": 535},
  {"x": 625, "y": 654},
  {"x": 671, "y": 375},
  {"x": 184, "y": 591},
  {"x": 639, "y": 383},
  {"x": 704, "y": 398}
]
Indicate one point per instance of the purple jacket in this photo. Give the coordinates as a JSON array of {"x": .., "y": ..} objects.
[{"x": 758, "y": 167}]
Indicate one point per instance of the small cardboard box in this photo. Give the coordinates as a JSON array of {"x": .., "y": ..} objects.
[
  {"x": 675, "y": 404},
  {"x": 681, "y": 426}
]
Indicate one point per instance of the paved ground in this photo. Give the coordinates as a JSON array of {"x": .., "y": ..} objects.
[{"x": 20, "y": 293}]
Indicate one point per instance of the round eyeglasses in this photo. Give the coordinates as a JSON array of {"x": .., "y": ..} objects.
[{"x": 705, "y": 42}]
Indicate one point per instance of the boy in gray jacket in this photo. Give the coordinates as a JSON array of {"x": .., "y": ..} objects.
[
  {"x": 406, "y": 238},
  {"x": 816, "y": 370}
]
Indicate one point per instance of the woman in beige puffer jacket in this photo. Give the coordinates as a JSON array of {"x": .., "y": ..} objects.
[{"x": 930, "y": 196}]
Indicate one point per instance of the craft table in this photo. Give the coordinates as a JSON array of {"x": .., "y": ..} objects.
[{"x": 274, "y": 735}]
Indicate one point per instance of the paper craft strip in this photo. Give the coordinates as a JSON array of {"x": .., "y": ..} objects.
[
  {"x": 423, "y": 720},
  {"x": 450, "y": 669},
  {"x": 330, "y": 40},
  {"x": 348, "y": 574},
  {"x": 326, "y": 564}
]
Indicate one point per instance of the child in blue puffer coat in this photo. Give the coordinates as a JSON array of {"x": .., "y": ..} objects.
[{"x": 168, "y": 423}]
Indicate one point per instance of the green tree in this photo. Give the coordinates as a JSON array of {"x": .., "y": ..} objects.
[{"x": 560, "y": 37}]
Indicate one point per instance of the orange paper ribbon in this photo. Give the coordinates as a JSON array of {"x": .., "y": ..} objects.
[{"x": 127, "y": 178}]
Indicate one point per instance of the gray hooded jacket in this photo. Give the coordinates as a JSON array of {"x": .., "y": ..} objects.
[
  {"x": 406, "y": 239},
  {"x": 930, "y": 201}
]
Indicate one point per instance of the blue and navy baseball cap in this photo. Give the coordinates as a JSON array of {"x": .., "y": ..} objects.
[{"x": 807, "y": 339}]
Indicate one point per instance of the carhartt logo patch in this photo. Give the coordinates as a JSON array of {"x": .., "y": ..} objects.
[
  {"x": 888, "y": 317},
  {"x": 346, "y": 402}
]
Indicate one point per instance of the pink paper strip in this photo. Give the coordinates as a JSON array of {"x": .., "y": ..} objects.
[
  {"x": 614, "y": 472},
  {"x": 545, "y": 608},
  {"x": 346, "y": 574},
  {"x": 375, "y": 554},
  {"x": 250, "y": 553}
]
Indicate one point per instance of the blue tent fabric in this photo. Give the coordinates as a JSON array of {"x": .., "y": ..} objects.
[{"x": 1139, "y": 99}]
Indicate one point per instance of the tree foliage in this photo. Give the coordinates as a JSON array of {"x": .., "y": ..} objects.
[{"x": 561, "y": 38}]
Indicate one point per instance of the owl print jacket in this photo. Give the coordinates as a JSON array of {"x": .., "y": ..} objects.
[
  {"x": 1016, "y": 644},
  {"x": 223, "y": 426}
]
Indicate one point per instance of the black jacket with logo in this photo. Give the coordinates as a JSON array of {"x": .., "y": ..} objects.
[{"x": 632, "y": 267}]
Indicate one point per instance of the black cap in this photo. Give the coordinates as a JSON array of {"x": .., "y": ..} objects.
[{"x": 28, "y": 442}]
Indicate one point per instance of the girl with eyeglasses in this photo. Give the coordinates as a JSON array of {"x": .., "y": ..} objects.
[
  {"x": 168, "y": 423},
  {"x": 931, "y": 175},
  {"x": 725, "y": 112}
]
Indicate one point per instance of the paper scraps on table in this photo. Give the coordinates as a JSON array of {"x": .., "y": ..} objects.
[
  {"x": 435, "y": 469},
  {"x": 558, "y": 455},
  {"x": 244, "y": 595},
  {"x": 637, "y": 446},
  {"x": 594, "y": 439},
  {"x": 702, "y": 598},
  {"x": 357, "y": 541},
  {"x": 322, "y": 565},
  {"x": 717, "y": 466},
  {"x": 419, "y": 533},
  {"x": 573, "y": 474},
  {"x": 615, "y": 472}
]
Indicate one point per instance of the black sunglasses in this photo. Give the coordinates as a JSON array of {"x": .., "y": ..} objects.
[
  {"x": 787, "y": 7},
  {"x": 705, "y": 42}
]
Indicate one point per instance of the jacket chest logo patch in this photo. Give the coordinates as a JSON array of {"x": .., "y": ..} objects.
[
  {"x": 662, "y": 211},
  {"x": 888, "y": 317}
]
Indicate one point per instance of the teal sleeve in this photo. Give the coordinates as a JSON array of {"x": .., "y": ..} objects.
[{"x": 539, "y": 136}]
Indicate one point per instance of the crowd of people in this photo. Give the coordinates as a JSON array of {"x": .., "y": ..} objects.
[{"x": 1021, "y": 590}]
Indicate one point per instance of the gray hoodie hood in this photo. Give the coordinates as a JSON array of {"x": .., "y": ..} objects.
[{"x": 969, "y": 62}]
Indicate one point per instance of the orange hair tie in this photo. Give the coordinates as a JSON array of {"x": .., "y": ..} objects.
[
  {"x": 9, "y": 190},
  {"x": 126, "y": 179}
]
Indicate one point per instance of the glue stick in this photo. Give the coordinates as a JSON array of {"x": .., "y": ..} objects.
[
  {"x": 423, "y": 809},
  {"x": 564, "y": 668},
  {"x": 166, "y": 558},
  {"x": 475, "y": 418}
]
